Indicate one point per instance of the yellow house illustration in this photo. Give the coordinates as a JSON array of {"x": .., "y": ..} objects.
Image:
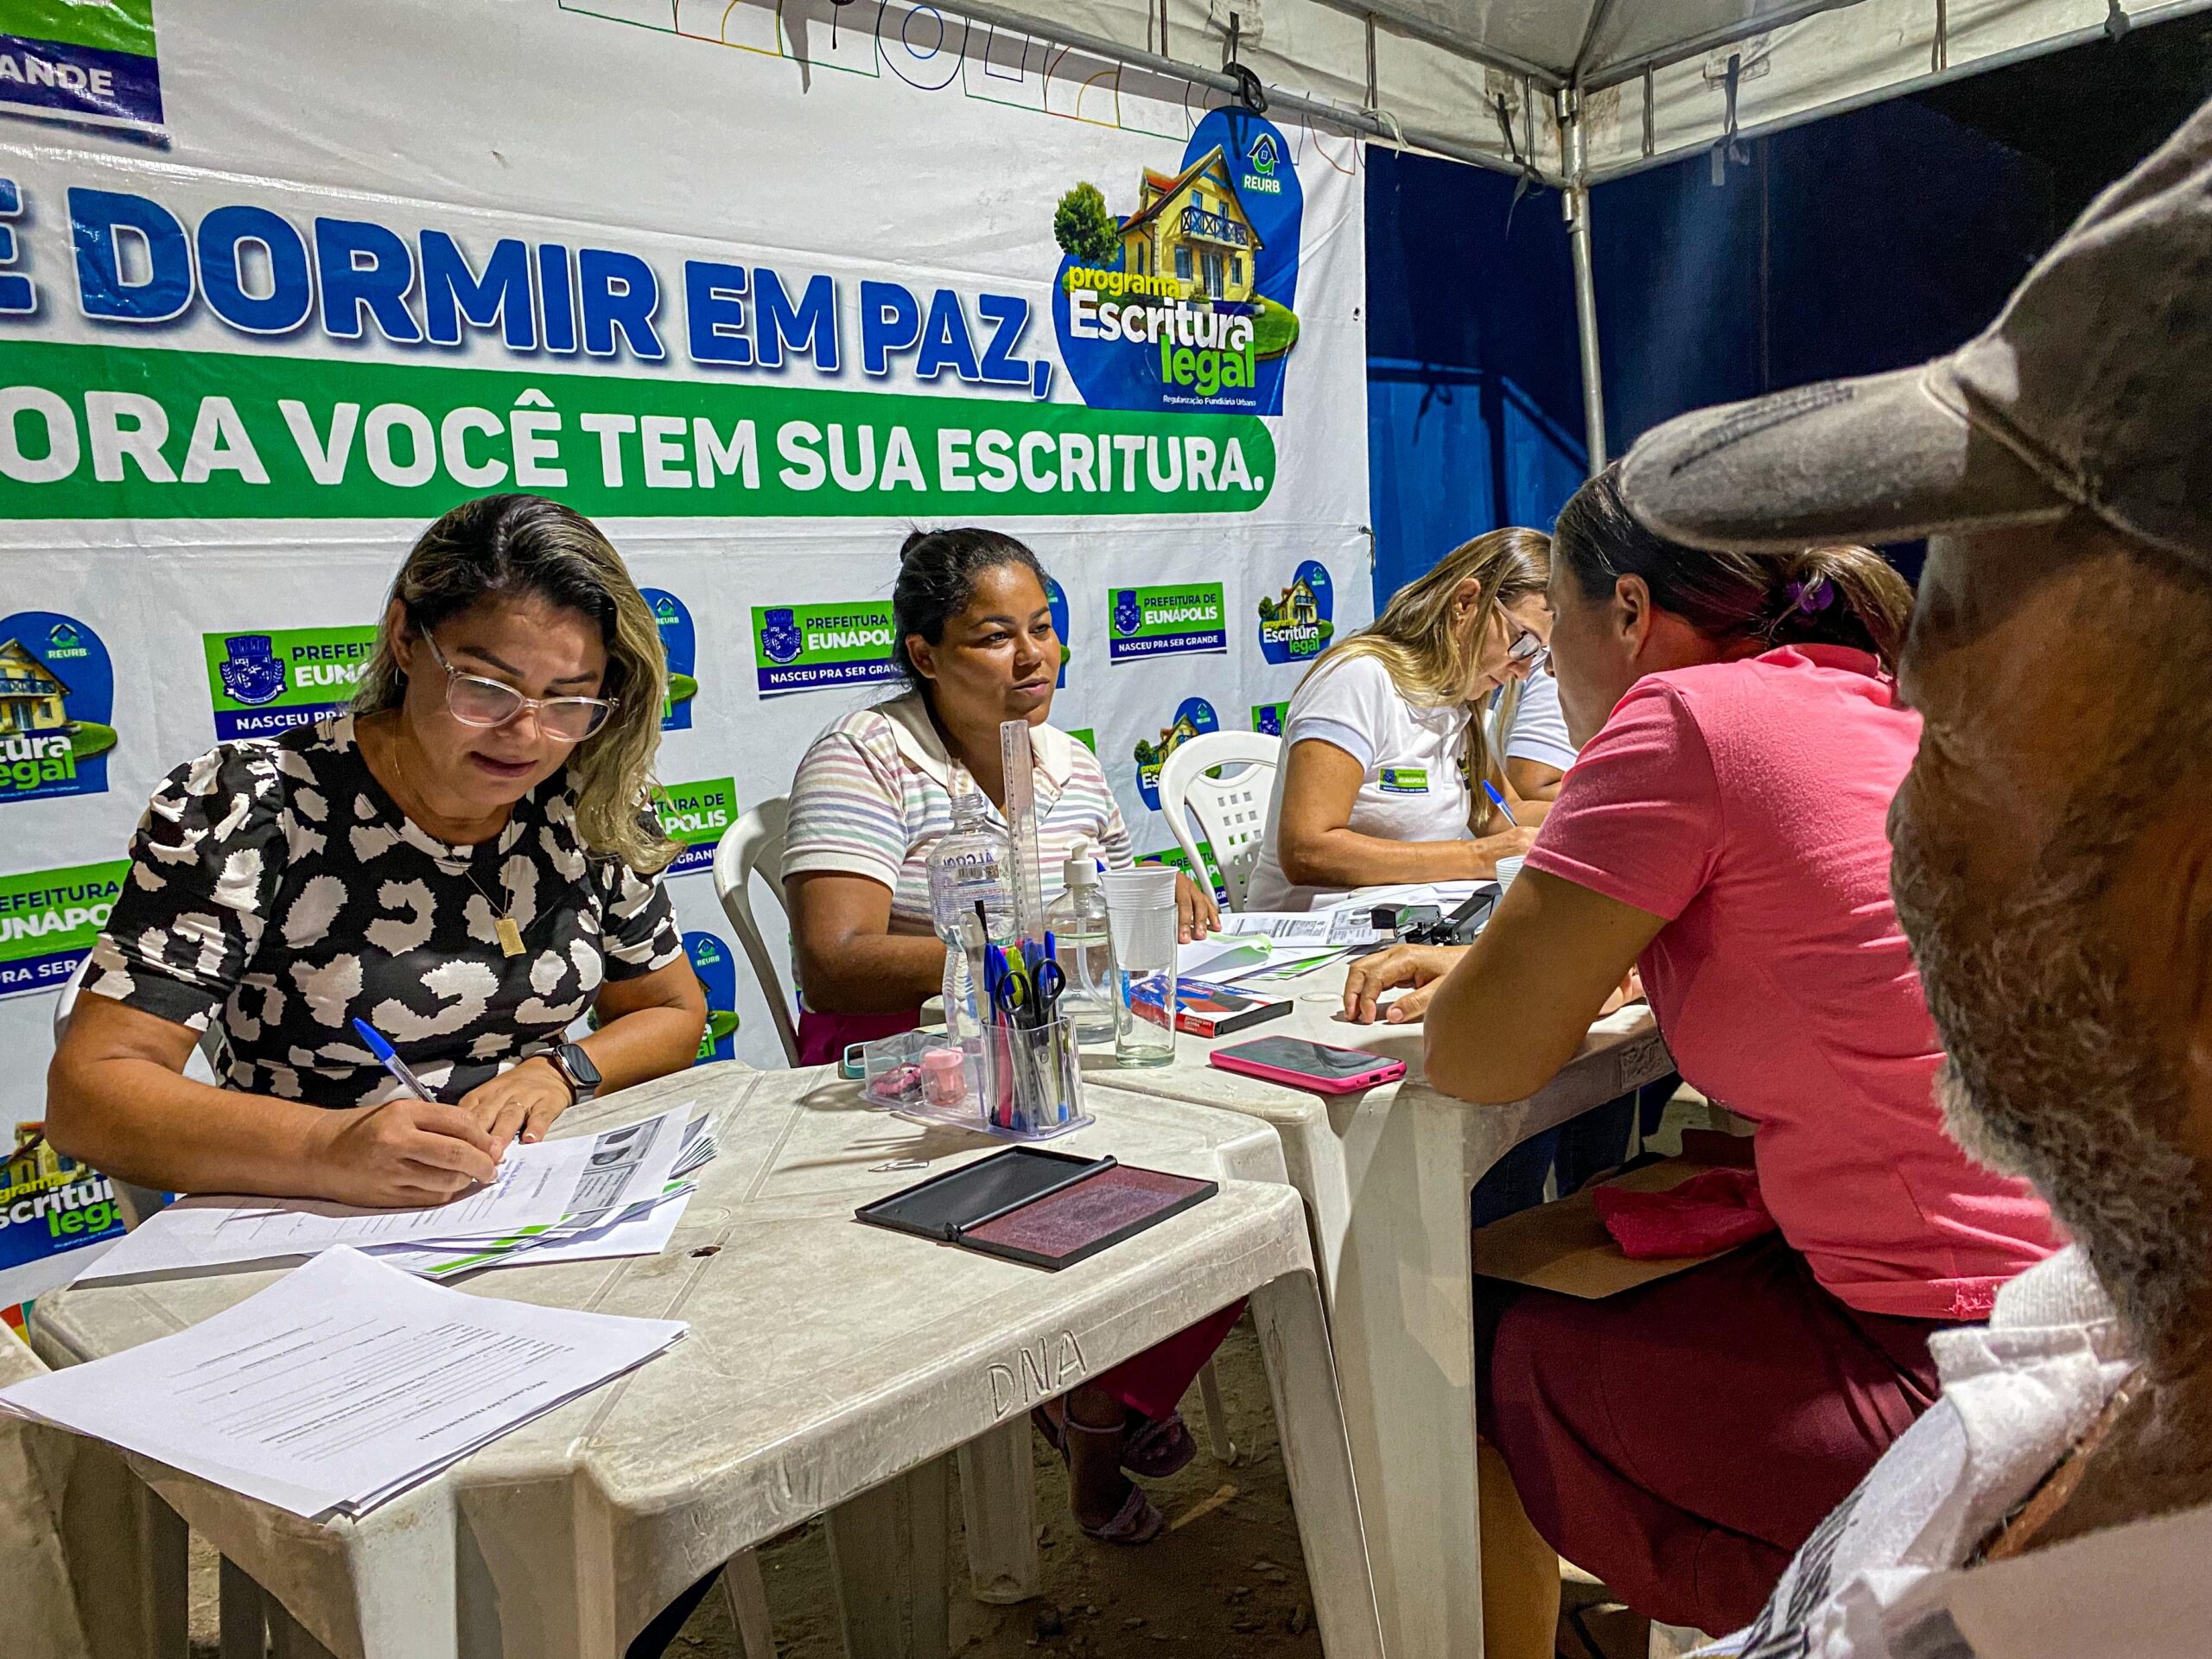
[
  {"x": 31, "y": 694},
  {"x": 1192, "y": 227},
  {"x": 1296, "y": 604}
]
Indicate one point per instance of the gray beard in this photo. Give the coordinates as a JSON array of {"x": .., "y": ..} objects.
[{"x": 2051, "y": 1076}]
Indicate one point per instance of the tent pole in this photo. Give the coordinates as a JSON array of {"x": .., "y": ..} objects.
[{"x": 1575, "y": 198}]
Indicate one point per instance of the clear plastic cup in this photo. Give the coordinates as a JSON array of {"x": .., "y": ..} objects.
[
  {"x": 1507, "y": 869},
  {"x": 1142, "y": 920}
]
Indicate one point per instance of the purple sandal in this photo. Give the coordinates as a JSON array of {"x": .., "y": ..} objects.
[{"x": 1137, "y": 1521}]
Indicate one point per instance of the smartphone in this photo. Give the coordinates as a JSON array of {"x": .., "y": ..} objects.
[{"x": 1306, "y": 1064}]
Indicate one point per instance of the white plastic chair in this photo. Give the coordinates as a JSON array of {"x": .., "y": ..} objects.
[
  {"x": 1231, "y": 810},
  {"x": 755, "y": 842}
]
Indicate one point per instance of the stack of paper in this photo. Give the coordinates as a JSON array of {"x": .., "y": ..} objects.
[
  {"x": 341, "y": 1385},
  {"x": 642, "y": 1229},
  {"x": 552, "y": 1192}
]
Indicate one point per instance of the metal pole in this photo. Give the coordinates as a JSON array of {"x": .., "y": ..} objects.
[
  {"x": 1575, "y": 198},
  {"x": 1018, "y": 24}
]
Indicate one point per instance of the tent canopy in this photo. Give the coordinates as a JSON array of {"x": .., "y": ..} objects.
[{"x": 1480, "y": 80}]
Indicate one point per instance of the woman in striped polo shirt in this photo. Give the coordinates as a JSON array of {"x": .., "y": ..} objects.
[{"x": 873, "y": 793}]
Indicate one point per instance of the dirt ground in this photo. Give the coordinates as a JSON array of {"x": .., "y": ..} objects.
[{"x": 1228, "y": 1582}]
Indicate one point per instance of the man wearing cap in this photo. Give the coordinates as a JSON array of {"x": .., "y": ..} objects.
[{"x": 2053, "y": 870}]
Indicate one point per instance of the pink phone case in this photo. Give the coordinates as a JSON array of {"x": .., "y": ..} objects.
[{"x": 1383, "y": 1072}]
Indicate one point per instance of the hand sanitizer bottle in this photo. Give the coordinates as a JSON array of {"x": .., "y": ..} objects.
[{"x": 1076, "y": 921}]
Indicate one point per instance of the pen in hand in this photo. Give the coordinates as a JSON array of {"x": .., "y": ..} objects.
[{"x": 388, "y": 1058}]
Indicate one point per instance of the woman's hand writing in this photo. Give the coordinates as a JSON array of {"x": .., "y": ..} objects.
[
  {"x": 1417, "y": 965},
  {"x": 403, "y": 1154}
]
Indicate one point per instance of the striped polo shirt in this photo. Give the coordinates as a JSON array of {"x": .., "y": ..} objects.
[{"x": 874, "y": 792}]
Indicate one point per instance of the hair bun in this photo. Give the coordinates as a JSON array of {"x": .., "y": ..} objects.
[{"x": 914, "y": 539}]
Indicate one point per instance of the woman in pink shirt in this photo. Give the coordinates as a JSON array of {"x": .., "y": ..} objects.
[{"x": 1723, "y": 833}]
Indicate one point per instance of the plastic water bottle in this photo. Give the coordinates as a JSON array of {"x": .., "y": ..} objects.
[
  {"x": 973, "y": 862},
  {"x": 1084, "y": 949}
]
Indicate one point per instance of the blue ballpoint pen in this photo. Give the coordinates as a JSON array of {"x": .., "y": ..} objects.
[
  {"x": 391, "y": 1061},
  {"x": 1498, "y": 801}
]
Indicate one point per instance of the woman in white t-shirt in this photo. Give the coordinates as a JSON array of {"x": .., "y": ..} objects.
[{"x": 1384, "y": 751}]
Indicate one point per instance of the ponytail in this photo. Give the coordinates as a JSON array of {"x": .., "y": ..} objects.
[{"x": 1833, "y": 595}]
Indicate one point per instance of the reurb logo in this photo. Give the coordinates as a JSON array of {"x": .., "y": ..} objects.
[
  {"x": 57, "y": 693},
  {"x": 1194, "y": 717},
  {"x": 1294, "y": 624},
  {"x": 716, "y": 970},
  {"x": 680, "y": 643}
]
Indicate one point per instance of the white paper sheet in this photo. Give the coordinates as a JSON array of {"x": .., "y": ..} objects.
[
  {"x": 342, "y": 1383},
  {"x": 538, "y": 1186}
]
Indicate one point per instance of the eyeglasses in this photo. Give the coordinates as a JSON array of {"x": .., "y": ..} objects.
[
  {"x": 1527, "y": 648},
  {"x": 476, "y": 701}
]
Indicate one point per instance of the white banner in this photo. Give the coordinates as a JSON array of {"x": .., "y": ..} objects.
[{"x": 758, "y": 288}]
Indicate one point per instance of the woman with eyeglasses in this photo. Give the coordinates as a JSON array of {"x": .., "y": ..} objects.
[
  {"x": 466, "y": 860},
  {"x": 1385, "y": 751}
]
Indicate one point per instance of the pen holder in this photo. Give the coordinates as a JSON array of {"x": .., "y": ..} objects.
[
  {"x": 1033, "y": 1082},
  {"x": 1018, "y": 1083}
]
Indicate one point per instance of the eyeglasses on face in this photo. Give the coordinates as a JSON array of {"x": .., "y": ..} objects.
[
  {"x": 475, "y": 701},
  {"x": 1527, "y": 647}
]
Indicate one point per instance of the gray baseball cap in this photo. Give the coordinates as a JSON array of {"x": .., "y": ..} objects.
[{"x": 2091, "y": 390}]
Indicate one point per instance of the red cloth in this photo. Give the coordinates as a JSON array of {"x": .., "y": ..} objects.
[
  {"x": 1156, "y": 1381},
  {"x": 1681, "y": 1439},
  {"x": 822, "y": 1037},
  {"x": 1746, "y": 803},
  {"x": 1704, "y": 1216}
]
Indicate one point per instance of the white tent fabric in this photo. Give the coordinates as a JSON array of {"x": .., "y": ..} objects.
[{"x": 1453, "y": 75}]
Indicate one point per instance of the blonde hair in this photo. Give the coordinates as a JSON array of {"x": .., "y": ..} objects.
[
  {"x": 507, "y": 546},
  {"x": 1430, "y": 662}
]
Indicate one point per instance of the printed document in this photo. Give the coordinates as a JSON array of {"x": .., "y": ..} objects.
[
  {"x": 342, "y": 1384},
  {"x": 588, "y": 1180}
]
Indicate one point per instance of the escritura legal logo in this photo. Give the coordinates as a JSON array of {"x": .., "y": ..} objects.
[
  {"x": 1186, "y": 301},
  {"x": 57, "y": 695},
  {"x": 716, "y": 970},
  {"x": 1295, "y": 625},
  {"x": 1194, "y": 717}
]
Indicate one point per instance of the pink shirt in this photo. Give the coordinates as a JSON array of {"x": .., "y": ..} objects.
[{"x": 1746, "y": 803}]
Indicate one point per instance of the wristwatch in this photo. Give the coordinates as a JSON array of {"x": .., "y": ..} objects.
[{"x": 573, "y": 1064}]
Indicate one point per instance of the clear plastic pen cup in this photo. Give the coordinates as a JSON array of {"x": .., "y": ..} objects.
[
  {"x": 1141, "y": 921},
  {"x": 1033, "y": 1085}
]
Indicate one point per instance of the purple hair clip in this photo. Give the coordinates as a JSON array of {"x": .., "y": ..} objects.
[{"x": 1812, "y": 596}]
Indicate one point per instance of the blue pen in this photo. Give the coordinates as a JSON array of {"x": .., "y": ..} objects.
[
  {"x": 1498, "y": 801},
  {"x": 391, "y": 1061}
]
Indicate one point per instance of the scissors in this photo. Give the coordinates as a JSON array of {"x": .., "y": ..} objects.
[{"x": 1027, "y": 994}]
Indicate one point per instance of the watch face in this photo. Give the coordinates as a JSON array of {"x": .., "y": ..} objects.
[{"x": 579, "y": 1064}]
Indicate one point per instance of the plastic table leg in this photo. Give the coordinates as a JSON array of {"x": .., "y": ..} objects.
[
  {"x": 998, "y": 1502},
  {"x": 887, "y": 1550},
  {"x": 1295, "y": 1339},
  {"x": 748, "y": 1604},
  {"x": 133, "y": 1547},
  {"x": 1224, "y": 1448},
  {"x": 243, "y": 1620}
]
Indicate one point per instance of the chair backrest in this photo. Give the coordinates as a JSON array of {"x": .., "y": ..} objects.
[
  {"x": 1232, "y": 809},
  {"x": 756, "y": 842}
]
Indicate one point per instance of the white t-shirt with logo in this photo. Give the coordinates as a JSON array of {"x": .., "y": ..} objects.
[{"x": 1416, "y": 788}]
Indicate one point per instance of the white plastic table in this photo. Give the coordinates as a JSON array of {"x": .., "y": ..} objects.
[
  {"x": 1387, "y": 1176},
  {"x": 831, "y": 1368}
]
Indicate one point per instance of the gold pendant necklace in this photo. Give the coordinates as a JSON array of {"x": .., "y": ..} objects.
[{"x": 503, "y": 926}]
